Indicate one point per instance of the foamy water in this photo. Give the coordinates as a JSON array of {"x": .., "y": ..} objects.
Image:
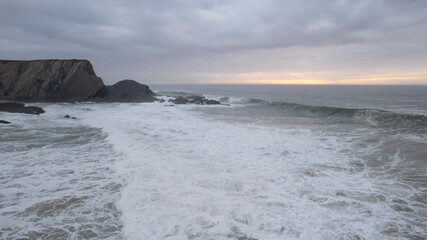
[
  {"x": 150, "y": 171},
  {"x": 56, "y": 178}
]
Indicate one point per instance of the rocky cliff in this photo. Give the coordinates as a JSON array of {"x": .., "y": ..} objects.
[{"x": 49, "y": 80}]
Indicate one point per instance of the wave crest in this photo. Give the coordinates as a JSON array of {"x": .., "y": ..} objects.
[{"x": 374, "y": 116}]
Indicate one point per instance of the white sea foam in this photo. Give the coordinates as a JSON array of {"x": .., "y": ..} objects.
[
  {"x": 201, "y": 172},
  {"x": 191, "y": 176},
  {"x": 56, "y": 181}
]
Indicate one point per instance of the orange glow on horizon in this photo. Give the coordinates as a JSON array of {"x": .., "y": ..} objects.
[
  {"x": 298, "y": 81},
  {"x": 372, "y": 79}
]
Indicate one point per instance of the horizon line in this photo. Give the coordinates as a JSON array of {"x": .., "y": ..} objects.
[{"x": 298, "y": 84}]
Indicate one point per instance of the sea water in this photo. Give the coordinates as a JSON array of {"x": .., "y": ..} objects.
[{"x": 275, "y": 162}]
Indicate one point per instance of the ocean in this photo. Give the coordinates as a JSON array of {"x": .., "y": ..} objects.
[{"x": 274, "y": 162}]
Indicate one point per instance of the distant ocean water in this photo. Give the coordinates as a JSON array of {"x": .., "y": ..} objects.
[{"x": 281, "y": 162}]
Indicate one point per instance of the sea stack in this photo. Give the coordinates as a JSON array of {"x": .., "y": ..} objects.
[
  {"x": 64, "y": 81},
  {"x": 126, "y": 91},
  {"x": 48, "y": 80}
]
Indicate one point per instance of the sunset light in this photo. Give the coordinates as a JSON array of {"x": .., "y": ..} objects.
[{"x": 213, "y": 119}]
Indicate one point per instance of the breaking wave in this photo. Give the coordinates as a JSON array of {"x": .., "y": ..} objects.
[{"x": 372, "y": 116}]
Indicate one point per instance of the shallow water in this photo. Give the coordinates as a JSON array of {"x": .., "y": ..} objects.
[
  {"x": 56, "y": 179},
  {"x": 253, "y": 170}
]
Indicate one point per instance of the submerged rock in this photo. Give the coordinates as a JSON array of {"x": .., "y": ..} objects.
[
  {"x": 15, "y": 107},
  {"x": 68, "y": 116},
  {"x": 4, "y": 122},
  {"x": 179, "y": 100},
  {"x": 212, "y": 102},
  {"x": 197, "y": 100},
  {"x": 48, "y": 80},
  {"x": 194, "y": 100}
]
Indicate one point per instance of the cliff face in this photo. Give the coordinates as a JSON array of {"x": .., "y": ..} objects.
[{"x": 49, "y": 80}]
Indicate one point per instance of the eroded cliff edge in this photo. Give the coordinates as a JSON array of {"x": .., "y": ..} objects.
[
  {"x": 49, "y": 80},
  {"x": 71, "y": 80}
]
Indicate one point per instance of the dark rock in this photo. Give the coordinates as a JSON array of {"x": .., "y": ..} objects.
[
  {"x": 212, "y": 102},
  {"x": 68, "y": 116},
  {"x": 48, "y": 80},
  {"x": 179, "y": 100},
  {"x": 4, "y": 122},
  {"x": 161, "y": 101},
  {"x": 15, "y": 107},
  {"x": 64, "y": 81},
  {"x": 126, "y": 91},
  {"x": 197, "y": 100},
  {"x": 169, "y": 105},
  {"x": 194, "y": 100}
]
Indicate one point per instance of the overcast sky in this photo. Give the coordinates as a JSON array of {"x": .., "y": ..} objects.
[{"x": 228, "y": 41}]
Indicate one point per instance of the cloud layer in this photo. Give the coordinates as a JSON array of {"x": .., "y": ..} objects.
[{"x": 235, "y": 41}]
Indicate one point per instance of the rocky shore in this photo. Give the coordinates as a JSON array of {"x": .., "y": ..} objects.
[
  {"x": 15, "y": 107},
  {"x": 64, "y": 81},
  {"x": 71, "y": 80}
]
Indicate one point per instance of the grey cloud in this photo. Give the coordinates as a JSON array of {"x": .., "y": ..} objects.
[{"x": 180, "y": 39}]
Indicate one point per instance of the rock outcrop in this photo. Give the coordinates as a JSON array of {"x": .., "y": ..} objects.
[
  {"x": 69, "y": 117},
  {"x": 48, "y": 80},
  {"x": 126, "y": 91},
  {"x": 194, "y": 100},
  {"x": 71, "y": 81},
  {"x": 15, "y": 107}
]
